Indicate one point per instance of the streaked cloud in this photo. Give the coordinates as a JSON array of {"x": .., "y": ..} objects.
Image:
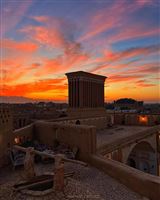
[
  {"x": 53, "y": 32},
  {"x": 41, "y": 41},
  {"x": 144, "y": 83},
  {"x": 34, "y": 87},
  {"x": 25, "y": 46},
  {"x": 12, "y": 13},
  {"x": 138, "y": 53}
]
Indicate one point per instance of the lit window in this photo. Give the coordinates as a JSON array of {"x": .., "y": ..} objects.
[
  {"x": 16, "y": 140},
  {"x": 143, "y": 119}
]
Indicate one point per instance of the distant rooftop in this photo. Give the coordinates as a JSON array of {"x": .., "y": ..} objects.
[{"x": 110, "y": 139}]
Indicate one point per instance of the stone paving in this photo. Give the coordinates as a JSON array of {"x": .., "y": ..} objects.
[{"x": 87, "y": 183}]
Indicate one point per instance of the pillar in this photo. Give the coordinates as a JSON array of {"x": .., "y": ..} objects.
[
  {"x": 29, "y": 164},
  {"x": 91, "y": 93},
  {"x": 69, "y": 93},
  {"x": 58, "y": 174},
  {"x": 74, "y": 93},
  {"x": 85, "y": 89},
  {"x": 92, "y": 88},
  {"x": 81, "y": 93}
]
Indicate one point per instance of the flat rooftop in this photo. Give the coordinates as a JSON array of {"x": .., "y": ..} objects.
[
  {"x": 87, "y": 183},
  {"x": 111, "y": 138},
  {"x": 85, "y": 74}
]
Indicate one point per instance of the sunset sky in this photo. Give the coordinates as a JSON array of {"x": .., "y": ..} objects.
[{"x": 41, "y": 40}]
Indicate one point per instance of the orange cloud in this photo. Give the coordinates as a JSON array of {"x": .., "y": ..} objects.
[
  {"x": 122, "y": 78},
  {"x": 48, "y": 36},
  {"x": 133, "y": 32},
  {"x": 144, "y": 83},
  {"x": 25, "y": 46},
  {"x": 117, "y": 16},
  {"x": 111, "y": 57},
  {"x": 43, "y": 19},
  {"x": 52, "y": 32},
  {"x": 16, "y": 56},
  {"x": 41, "y": 86},
  {"x": 14, "y": 70},
  {"x": 61, "y": 64},
  {"x": 116, "y": 23},
  {"x": 104, "y": 20},
  {"x": 132, "y": 52},
  {"x": 10, "y": 76},
  {"x": 55, "y": 33}
]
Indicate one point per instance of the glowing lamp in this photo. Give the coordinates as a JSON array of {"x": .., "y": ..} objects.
[
  {"x": 143, "y": 119},
  {"x": 16, "y": 140}
]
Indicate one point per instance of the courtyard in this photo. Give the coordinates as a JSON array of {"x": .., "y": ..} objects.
[{"x": 86, "y": 183}]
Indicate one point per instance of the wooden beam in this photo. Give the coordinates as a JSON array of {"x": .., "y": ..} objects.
[{"x": 51, "y": 156}]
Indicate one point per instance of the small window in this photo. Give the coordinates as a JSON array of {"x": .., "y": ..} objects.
[{"x": 78, "y": 122}]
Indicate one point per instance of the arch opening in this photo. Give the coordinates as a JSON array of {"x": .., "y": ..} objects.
[{"x": 143, "y": 157}]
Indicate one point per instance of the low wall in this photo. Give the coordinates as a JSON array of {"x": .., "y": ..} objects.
[
  {"x": 86, "y": 112},
  {"x": 140, "y": 182},
  {"x": 25, "y": 132},
  {"x": 99, "y": 122},
  {"x": 84, "y": 137}
]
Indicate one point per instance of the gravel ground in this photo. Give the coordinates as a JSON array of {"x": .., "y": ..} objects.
[{"x": 87, "y": 183}]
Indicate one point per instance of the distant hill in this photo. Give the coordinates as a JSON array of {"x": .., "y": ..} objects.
[
  {"x": 16, "y": 99},
  {"x": 19, "y": 99}
]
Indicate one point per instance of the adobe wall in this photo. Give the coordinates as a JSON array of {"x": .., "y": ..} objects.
[
  {"x": 84, "y": 137},
  {"x": 138, "y": 181},
  {"x": 6, "y": 136},
  {"x": 119, "y": 118},
  {"x": 81, "y": 136},
  {"x": 134, "y": 119},
  {"x": 98, "y": 122},
  {"x": 21, "y": 120},
  {"x": 86, "y": 112}
]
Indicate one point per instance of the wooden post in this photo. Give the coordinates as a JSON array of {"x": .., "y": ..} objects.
[
  {"x": 59, "y": 174},
  {"x": 29, "y": 163}
]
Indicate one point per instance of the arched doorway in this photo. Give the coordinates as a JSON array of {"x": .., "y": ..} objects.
[{"x": 143, "y": 157}]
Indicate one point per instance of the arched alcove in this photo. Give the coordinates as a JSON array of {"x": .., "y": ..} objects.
[
  {"x": 131, "y": 162},
  {"x": 143, "y": 157}
]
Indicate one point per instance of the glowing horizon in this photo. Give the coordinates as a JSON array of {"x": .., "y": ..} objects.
[{"x": 41, "y": 41}]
